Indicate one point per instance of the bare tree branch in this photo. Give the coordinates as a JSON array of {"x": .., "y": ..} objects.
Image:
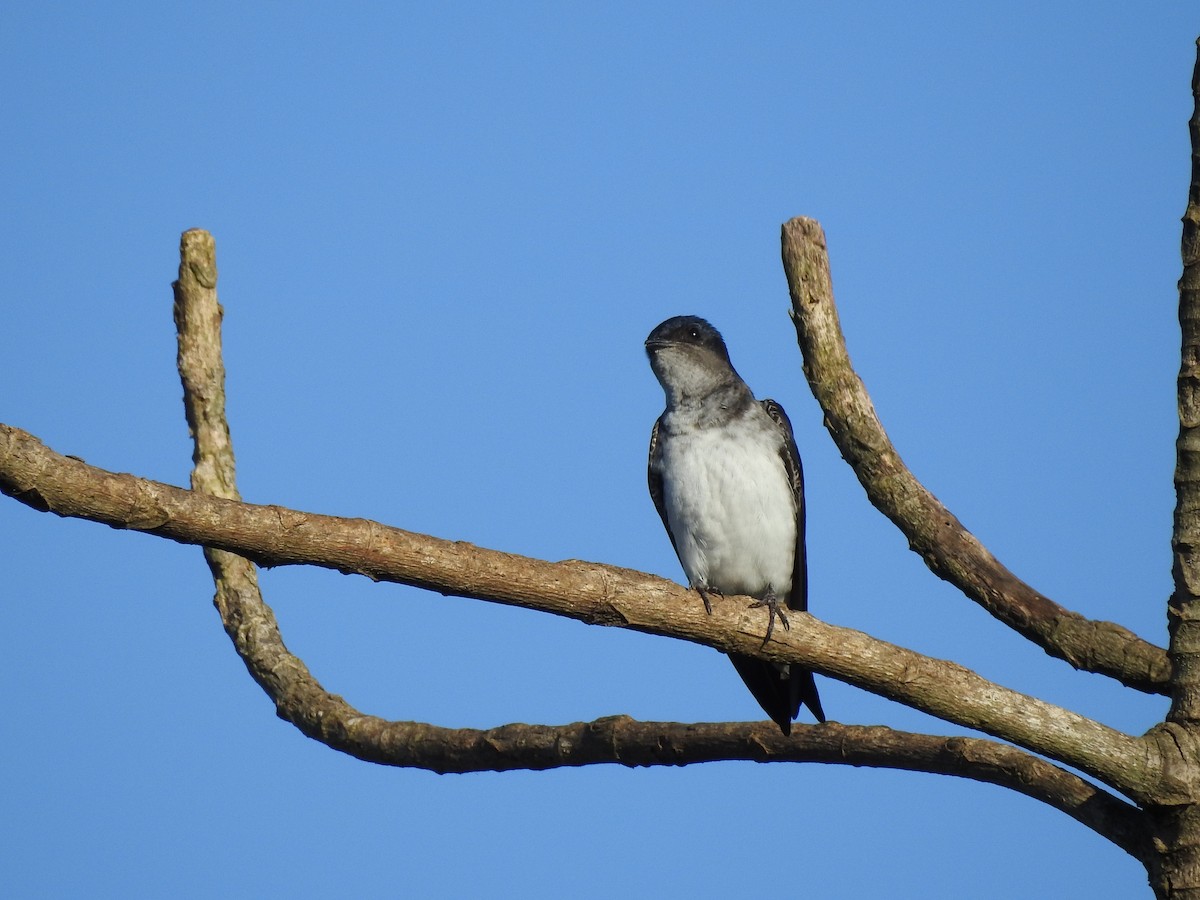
[
  {"x": 948, "y": 548},
  {"x": 201, "y": 365},
  {"x": 616, "y": 739},
  {"x": 589, "y": 592}
]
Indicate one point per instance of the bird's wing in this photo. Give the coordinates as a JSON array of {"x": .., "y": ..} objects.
[
  {"x": 790, "y": 455},
  {"x": 655, "y": 479},
  {"x": 801, "y": 687}
]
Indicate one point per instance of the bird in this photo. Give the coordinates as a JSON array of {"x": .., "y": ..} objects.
[{"x": 725, "y": 476}]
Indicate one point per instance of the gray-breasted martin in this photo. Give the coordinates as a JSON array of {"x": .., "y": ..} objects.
[{"x": 726, "y": 479}]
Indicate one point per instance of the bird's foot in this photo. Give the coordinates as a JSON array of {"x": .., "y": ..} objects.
[
  {"x": 704, "y": 593},
  {"x": 774, "y": 608}
]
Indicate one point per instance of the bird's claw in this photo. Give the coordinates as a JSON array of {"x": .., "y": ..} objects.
[
  {"x": 774, "y": 608},
  {"x": 704, "y": 592}
]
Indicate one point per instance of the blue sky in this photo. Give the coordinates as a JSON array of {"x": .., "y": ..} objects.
[{"x": 443, "y": 235}]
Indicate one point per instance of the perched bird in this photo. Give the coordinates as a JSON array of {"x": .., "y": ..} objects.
[{"x": 726, "y": 479}]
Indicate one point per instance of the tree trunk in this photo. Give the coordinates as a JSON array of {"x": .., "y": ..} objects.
[{"x": 1174, "y": 863}]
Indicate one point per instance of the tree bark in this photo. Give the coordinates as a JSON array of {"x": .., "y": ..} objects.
[
  {"x": 1184, "y": 609},
  {"x": 1175, "y": 823}
]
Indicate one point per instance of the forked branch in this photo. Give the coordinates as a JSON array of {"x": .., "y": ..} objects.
[
  {"x": 301, "y": 699},
  {"x": 211, "y": 516}
]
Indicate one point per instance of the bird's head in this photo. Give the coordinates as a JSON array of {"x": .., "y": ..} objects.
[{"x": 688, "y": 357}]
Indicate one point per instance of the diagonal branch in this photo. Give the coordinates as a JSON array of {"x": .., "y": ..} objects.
[
  {"x": 947, "y": 547},
  {"x": 589, "y": 592}
]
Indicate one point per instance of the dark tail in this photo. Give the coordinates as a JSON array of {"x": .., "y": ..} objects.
[
  {"x": 778, "y": 689},
  {"x": 806, "y": 689}
]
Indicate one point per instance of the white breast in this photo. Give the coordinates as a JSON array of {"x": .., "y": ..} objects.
[{"x": 730, "y": 507}]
